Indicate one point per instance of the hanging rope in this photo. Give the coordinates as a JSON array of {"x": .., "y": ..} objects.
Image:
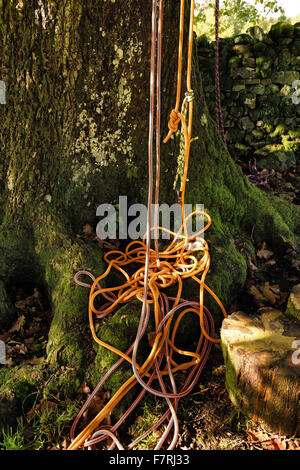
[
  {"x": 157, "y": 270},
  {"x": 219, "y": 114}
]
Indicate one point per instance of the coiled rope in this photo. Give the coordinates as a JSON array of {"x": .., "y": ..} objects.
[{"x": 157, "y": 270}]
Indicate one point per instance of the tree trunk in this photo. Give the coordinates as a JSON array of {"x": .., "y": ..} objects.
[{"x": 74, "y": 135}]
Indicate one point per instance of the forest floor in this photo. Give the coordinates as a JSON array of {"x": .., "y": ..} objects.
[{"x": 207, "y": 418}]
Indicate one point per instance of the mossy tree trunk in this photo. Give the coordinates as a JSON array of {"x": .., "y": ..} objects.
[{"x": 74, "y": 135}]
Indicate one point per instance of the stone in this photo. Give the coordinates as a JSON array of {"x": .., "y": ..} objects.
[
  {"x": 253, "y": 81},
  {"x": 291, "y": 76},
  {"x": 242, "y": 49},
  {"x": 242, "y": 39},
  {"x": 263, "y": 63},
  {"x": 282, "y": 32},
  {"x": 284, "y": 58},
  {"x": 262, "y": 360},
  {"x": 247, "y": 124},
  {"x": 249, "y": 62},
  {"x": 244, "y": 73},
  {"x": 293, "y": 305},
  {"x": 256, "y": 76},
  {"x": 250, "y": 101},
  {"x": 296, "y": 46},
  {"x": 274, "y": 89},
  {"x": 235, "y": 62},
  {"x": 259, "y": 89},
  {"x": 285, "y": 90},
  {"x": 257, "y": 134},
  {"x": 257, "y": 33},
  {"x": 266, "y": 81},
  {"x": 239, "y": 87},
  {"x": 278, "y": 77},
  {"x": 278, "y": 160},
  {"x": 260, "y": 47}
]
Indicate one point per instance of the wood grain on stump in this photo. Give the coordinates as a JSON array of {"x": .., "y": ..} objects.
[
  {"x": 262, "y": 358},
  {"x": 293, "y": 306}
]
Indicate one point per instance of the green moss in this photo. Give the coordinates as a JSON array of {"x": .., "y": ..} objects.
[
  {"x": 18, "y": 387},
  {"x": 64, "y": 382},
  {"x": 120, "y": 332},
  {"x": 61, "y": 258},
  {"x": 282, "y": 32}
]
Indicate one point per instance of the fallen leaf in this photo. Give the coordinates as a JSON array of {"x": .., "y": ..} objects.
[
  {"x": 23, "y": 349},
  {"x": 265, "y": 254},
  {"x": 65, "y": 443},
  {"x": 270, "y": 262},
  {"x": 9, "y": 362},
  {"x": 88, "y": 230},
  {"x": 34, "y": 361},
  {"x": 96, "y": 405},
  {"x": 267, "y": 442},
  {"x": 29, "y": 340},
  {"x": 18, "y": 325},
  {"x": 151, "y": 338},
  {"x": 251, "y": 266},
  {"x": 259, "y": 298},
  {"x": 269, "y": 294},
  {"x": 42, "y": 406},
  {"x": 84, "y": 388}
]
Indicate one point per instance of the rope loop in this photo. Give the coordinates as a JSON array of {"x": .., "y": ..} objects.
[{"x": 189, "y": 96}]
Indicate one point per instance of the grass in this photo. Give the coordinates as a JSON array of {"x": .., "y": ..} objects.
[
  {"x": 43, "y": 429},
  {"x": 12, "y": 439}
]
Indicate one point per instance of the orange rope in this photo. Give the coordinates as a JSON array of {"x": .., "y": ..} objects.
[{"x": 176, "y": 263}]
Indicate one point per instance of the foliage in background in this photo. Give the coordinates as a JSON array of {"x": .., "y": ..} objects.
[{"x": 236, "y": 16}]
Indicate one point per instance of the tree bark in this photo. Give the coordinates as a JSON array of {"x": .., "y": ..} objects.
[{"x": 74, "y": 135}]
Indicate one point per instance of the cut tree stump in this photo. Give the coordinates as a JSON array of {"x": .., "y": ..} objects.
[
  {"x": 262, "y": 359},
  {"x": 293, "y": 305}
]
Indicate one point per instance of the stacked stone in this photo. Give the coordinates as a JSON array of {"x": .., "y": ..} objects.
[{"x": 257, "y": 74}]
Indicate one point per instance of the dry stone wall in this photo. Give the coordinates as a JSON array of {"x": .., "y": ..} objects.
[{"x": 260, "y": 93}]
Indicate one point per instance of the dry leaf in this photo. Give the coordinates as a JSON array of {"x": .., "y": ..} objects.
[
  {"x": 84, "y": 388},
  {"x": 9, "y": 362},
  {"x": 151, "y": 338},
  {"x": 251, "y": 267},
  {"x": 267, "y": 442},
  {"x": 29, "y": 340},
  {"x": 23, "y": 349},
  {"x": 96, "y": 405},
  {"x": 269, "y": 294},
  {"x": 18, "y": 325},
  {"x": 34, "y": 361},
  {"x": 270, "y": 262},
  {"x": 88, "y": 230},
  {"x": 265, "y": 254},
  {"x": 41, "y": 407},
  {"x": 259, "y": 298},
  {"x": 65, "y": 443}
]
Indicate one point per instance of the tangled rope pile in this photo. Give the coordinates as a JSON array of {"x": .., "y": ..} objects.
[{"x": 156, "y": 271}]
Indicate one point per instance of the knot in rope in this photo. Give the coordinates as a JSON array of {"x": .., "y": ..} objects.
[{"x": 174, "y": 120}]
